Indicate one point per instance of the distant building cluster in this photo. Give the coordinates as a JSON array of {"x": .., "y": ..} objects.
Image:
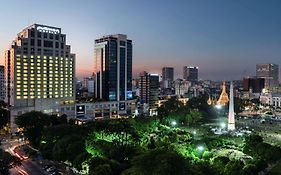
[{"x": 39, "y": 74}]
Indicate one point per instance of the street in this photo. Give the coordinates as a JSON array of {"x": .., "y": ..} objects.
[{"x": 28, "y": 166}]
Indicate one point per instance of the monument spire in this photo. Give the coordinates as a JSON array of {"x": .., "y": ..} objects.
[{"x": 231, "y": 119}]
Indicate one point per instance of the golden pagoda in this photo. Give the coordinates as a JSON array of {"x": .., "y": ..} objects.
[
  {"x": 210, "y": 101},
  {"x": 223, "y": 100}
]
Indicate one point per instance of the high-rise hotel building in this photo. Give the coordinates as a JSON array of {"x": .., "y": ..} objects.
[
  {"x": 2, "y": 83},
  {"x": 40, "y": 70},
  {"x": 113, "y": 68}
]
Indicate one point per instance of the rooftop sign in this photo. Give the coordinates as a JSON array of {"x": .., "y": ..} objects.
[{"x": 46, "y": 29}]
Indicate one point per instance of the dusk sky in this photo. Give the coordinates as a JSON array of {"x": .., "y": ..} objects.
[{"x": 224, "y": 38}]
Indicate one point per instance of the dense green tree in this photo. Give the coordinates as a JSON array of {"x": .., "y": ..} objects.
[
  {"x": 68, "y": 147},
  {"x": 6, "y": 159},
  {"x": 234, "y": 167},
  {"x": 33, "y": 124},
  {"x": 103, "y": 165},
  {"x": 104, "y": 169},
  {"x": 4, "y": 117},
  {"x": 158, "y": 161},
  {"x": 168, "y": 107}
]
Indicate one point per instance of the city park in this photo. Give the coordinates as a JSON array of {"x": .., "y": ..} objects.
[{"x": 192, "y": 138}]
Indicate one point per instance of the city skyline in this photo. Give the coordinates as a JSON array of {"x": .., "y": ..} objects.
[{"x": 207, "y": 34}]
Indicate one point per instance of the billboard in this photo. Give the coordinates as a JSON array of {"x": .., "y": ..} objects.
[
  {"x": 122, "y": 106},
  {"x": 80, "y": 110}
]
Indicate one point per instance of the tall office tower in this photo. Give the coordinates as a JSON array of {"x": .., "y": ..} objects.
[
  {"x": 40, "y": 70},
  {"x": 149, "y": 89},
  {"x": 168, "y": 73},
  {"x": 270, "y": 72},
  {"x": 89, "y": 84},
  {"x": 167, "y": 77},
  {"x": 113, "y": 68},
  {"x": 2, "y": 83},
  {"x": 253, "y": 84},
  {"x": 190, "y": 74}
]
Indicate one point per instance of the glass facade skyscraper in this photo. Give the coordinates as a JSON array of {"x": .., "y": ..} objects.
[
  {"x": 113, "y": 68},
  {"x": 190, "y": 74}
]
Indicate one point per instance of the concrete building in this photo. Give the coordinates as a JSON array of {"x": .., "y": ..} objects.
[
  {"x": 253, "y": 84},
  {"x": 89, "y": 84},
  {"x": 181, "y": 87},
  {"x": 113, "y": 68},
  {"x": 99, "y": 110},
  {"x": 272, "y": 99},
  {"x": 190, "y": 74},
  {"x": 167, "y": 77},
  {"x": 149, "y": 91},
  {"x": 270, "y": 72},
  {"x": 2, "y": 83},
  {"x": 40, "y": 71}
]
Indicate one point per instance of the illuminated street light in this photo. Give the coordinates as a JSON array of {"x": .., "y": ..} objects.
[
  {"x": 200, "y": 148},
  {"x": 174, "y": 123},
  {"x": 218, "y": 106},
  {"x": 223, "y": 125}
]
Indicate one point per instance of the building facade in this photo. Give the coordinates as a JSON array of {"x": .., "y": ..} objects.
[
  {"x": 113, "y": 68},
  {"x": 40, "y": 71},
  {"x": 272, "y": 99},
  {"x": 2, "y": 83},
  {"x": 190, "y": 74},
  {"x": 168, "y": 73},
  {"x": 253, "y": 84},
  {"x": 99, "y": 110},
  {"x": 181, "y": 87},
  {"x": 270, "y": 72},
  {"x": 89, "y": 84},
  {"x": 149, "y": 90},
  {"x": 167, "y": 77}
]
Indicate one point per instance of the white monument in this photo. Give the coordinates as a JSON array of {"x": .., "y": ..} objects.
[{"x": 231, "y": 119}]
